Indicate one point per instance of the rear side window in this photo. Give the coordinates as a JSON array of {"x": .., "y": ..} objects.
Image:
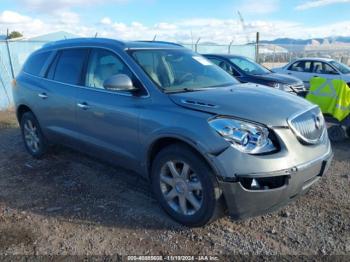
[
  {"x": 35, "y": 63},
  {"x": 301, "y": 66},
  {"x": 224, "y": 65},
  {"x": 69, "y": 66}
]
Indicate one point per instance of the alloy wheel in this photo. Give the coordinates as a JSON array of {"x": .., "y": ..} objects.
[
  {"x": 31, "y": 136},
  {"x": 181, "y": 187}
]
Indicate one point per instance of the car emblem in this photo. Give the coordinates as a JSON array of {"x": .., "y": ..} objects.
[{"x": 318, "y": 123}]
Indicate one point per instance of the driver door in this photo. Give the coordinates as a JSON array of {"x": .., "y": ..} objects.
[
  {"x": 108, "y": 120},
  {"x": 325, "y": 70}
]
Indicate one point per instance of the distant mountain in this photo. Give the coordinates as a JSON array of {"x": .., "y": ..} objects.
[
  {"x": 54, "y": 36},
  {"x": 291, "y": 41}
]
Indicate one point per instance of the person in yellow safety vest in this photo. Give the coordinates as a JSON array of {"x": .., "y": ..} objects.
[{"x": 332, "y": 96}]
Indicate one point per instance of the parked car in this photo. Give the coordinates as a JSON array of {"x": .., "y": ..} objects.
[
  {"x": 306, "y": 68},
  {"x": 246, "y": 70},
  {"x": 205, "y": 142}
]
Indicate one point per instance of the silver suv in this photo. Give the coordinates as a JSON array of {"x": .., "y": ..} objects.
[{"x": 206, "y": 143}]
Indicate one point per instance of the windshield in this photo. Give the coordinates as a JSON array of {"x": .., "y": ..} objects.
[
  {"x": 176, "y": 70},
  {"x": 344, "y": 69},
  {"x": 249, "y": 67}
]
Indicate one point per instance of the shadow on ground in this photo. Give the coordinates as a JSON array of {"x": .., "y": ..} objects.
[{"x": 73, "y": 186}]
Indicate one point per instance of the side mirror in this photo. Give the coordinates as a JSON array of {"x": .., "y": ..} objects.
[{"x": 120, "y": 82}]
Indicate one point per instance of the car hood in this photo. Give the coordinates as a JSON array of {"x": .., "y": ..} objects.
[
  {"x": 278, "y": 78},
  {"x": 256, "y": 103}
]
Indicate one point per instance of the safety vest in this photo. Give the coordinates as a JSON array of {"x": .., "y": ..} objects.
[{"x": 332, "y": 96}]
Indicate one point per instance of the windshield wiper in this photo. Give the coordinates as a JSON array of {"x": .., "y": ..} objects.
[
  {"x": 222, "y": 85},
  {"x": 184, "y": 90}
]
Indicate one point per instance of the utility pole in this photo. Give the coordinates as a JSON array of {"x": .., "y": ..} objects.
[
  {"x": 196, "y": 46},
  {"x": 257, "y": 47},
  {"x": 9, "y": 55},
  {"x": 229, "y": 47}
]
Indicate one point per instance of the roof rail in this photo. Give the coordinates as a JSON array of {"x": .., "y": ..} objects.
[
  {"x": 82, "y": 39},
  {"x": 158, "y": 42}
]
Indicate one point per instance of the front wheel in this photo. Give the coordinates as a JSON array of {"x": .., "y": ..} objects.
[
  {"x": 33, "y": 137},
  {"x": 185, "y": 186}
]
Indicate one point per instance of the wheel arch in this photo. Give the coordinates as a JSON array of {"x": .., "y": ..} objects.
[
  {"x": 22, "y": 109},
  {"x": 162, "y": 142}
]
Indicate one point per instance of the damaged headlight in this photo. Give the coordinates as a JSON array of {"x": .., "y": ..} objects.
[{"x": 245, "y": 136}]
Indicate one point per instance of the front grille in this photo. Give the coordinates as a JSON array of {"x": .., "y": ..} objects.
[
  {"x": 308, "y": 126},
  {"x": 299, "y": 87}
]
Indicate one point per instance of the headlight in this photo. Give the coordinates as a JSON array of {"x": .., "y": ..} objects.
[
  {"x": 246, "y": 137},
  {"x": 282, "y": 87}
]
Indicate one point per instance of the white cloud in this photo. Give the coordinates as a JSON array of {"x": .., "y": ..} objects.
[
  {"x": 10, "y": 17},
  {"x": 318, "y": 3},
  {"x": 260, "y": 7},
  {"x": 221, "y": 31},
  {"x": 49, "y": 6},
  {"x": 67, "y": 17},
  {"x": 106, "y": 21}
]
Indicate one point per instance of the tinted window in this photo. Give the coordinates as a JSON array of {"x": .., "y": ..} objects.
[
  {"x": 224, "y": 65},
  {"x": 318, "y": 67},
  {"x": 51, "y": 72},
  {"x": 301, "y": 66},
  {"x": 307, "y": 66},
  {"x": 35, "y": 63},
  {"x": 249, "y": 66},
  {"x": 69, "y": 66},
  {"x": 102, "y": 65},
  {"x": 215, "y": 61},
  {"x": 327, "y": 69}
]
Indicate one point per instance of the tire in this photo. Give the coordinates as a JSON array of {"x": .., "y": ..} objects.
[
  {"x": 33, "y": 138},
  {"x": 348, "y": 131},
  {"x": 336, "y": 133},
  {"x": 194, "y": 182}
]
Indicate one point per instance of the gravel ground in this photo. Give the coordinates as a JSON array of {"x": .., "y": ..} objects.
[{"x": 71, "y": 204}]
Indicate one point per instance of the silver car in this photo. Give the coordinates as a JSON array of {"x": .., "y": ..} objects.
[
  {"x": 307, "y": 68},
  {"x": 206, "y": 143}
]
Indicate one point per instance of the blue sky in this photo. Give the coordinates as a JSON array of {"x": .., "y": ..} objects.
[{"x": 179, "y": 20}]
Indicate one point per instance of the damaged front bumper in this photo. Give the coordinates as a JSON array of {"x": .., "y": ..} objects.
[{"x": 259, "y": 193}]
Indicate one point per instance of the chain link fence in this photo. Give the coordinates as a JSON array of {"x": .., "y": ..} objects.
[
  {"x": 278, "y": 55},
  {"x": 14, "y": 53},
  {"x": 12, "y": 56}
]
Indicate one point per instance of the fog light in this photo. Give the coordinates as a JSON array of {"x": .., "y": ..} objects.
[
  {"x": 254, "y": 185},
  {"x": 263, "y": 183}
]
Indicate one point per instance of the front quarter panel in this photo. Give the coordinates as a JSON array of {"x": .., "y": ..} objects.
[{"x": 172, "y": 121}]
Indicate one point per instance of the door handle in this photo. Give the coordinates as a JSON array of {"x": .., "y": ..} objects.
[
  {"x": 83, "y": 105},
  {"x": 289, "y": 73},
  {"x": 43, "y": 95}
]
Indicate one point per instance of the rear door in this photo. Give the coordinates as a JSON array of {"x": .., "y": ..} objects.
[
  {"x": 302, "y": 70},
  {"x": 109, "y": 120},
  {"x": 58, "y": 95}
]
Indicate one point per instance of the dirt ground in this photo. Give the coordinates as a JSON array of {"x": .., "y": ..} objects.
[{"x": 71, "y": 204}]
